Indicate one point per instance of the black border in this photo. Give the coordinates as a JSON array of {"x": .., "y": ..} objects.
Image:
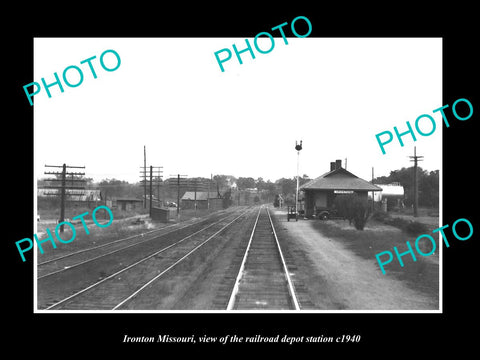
[{"x": 402, "y": 333}]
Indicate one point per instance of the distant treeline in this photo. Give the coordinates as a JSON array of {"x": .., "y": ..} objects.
[
  {"x": 221, "y": 184},
  {"x": 428, "y": 185}
]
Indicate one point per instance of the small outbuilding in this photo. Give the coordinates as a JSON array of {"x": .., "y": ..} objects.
[
  {"x": 128, "y": 204},
  {"x": 201, "y": 200},
  {"x": 320, "y": 193},
  {"x": 160, "y": 214}
]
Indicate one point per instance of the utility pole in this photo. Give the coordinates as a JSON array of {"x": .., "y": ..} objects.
[
  {"x": 62, "y": 196},
  {"x": 144, "y": 177},
  {"x": 150, "y": 208},
  {"x": 178, "y": 195},
  {"x": 415, "y": 160},
  {"x": 373, "y": 192},
  {"x": 178, "y": 192},
  {"x": 158, "y": 173},
  {"x": 208, "y": 196},
  {"x": 159, "y": 179},
  {"x": 63, "y": 187},
  {"x": 195, "y": 197}
]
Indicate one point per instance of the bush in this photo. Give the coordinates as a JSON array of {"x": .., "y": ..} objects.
[
  {"x": 360, "y": 220},
  {"x": 354, "y": 209},
  {"x": 380, "y": 215},
  {"x": 361, "y": 213}
]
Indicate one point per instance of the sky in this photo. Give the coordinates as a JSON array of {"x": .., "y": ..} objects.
[{"x": 169, "y": 94}]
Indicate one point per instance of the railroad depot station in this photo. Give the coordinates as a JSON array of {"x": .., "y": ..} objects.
[
  {"x": 320, "y": 193},
  {"x": 212, "y": 252}
]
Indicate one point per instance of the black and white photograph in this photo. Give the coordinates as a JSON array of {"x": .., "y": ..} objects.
[
  {"x": 211, "y": 181},
  {"x": 238, "y": 190}
]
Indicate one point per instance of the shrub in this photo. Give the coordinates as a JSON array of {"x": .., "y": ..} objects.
[
  {"x": 354, "y": 209},
  {"x": 361, "y": 213},
  {"x": 380, "y": 215},
  {"x": 409, "y": 226}
]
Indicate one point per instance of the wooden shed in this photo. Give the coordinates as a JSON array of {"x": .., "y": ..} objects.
[
  {"x": 128, "y": 204},
  {"x": 201, "y": 199}
]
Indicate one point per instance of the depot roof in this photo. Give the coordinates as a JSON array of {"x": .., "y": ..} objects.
[{"x": 339, "y": 179}]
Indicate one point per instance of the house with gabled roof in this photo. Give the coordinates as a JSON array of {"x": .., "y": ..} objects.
[{"x": 320, "y": 193}]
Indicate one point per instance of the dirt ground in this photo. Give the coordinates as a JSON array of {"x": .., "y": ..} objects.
[{"x": 337, "y": 278}]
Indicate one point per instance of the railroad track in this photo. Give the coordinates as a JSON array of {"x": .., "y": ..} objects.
[
  {"x": 116, "y": 290},
  {"x": 77, "y": 258},
  {"x": 263, "y": 281}
]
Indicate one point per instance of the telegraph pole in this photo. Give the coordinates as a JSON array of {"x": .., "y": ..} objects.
[
  {"x": 63, "y": 187},
  {"x": 208, "y": 196},
  {"x": 150, "y": 209},
  {"x": 178, "y": 195},
  {"x": 178, "y": 192},
  {"x": 195, "y": 197},
  {"x": 415, "y": 160},
  {"x": 158, "y": 173},
  {"x": 373, "y": 192},
  {"x": 62, "y": 196},
  {"x": 144, "y": 177}
]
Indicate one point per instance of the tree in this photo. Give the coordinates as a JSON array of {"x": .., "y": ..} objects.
[
  {"x": 269, "y": 191},
  {"x": 429, "y": 189},
  {"x": 428, "y": 185},
  {"x": 227, "y": 198},
  {"x": 304, "y": 179},
  {"x": 260, "y": 184},
  {"x": 286, "y": 186},
  {"x": 245, "y": 183},
  {"x": 221, "y": 182},
  {"x": 120, "y": 188}
]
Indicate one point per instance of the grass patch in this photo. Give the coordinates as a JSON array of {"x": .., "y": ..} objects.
[
  {"x": 125, "y": 224},
  {"x": 421, "y": 275},
  {"x": 411, "y": 227},
  {"x": 74, "y": 210},
  {"x": 119, "y": 229}
]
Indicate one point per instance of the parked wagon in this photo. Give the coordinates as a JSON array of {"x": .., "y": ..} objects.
[{"x": 292, "y": 213}]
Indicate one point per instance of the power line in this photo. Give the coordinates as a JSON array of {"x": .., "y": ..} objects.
[
  {"x": 178, "y": 192},
  {"x": 415, "y": 160},
  {"x": 158, "y": 170},
  {"x": 63, "y": 187}
]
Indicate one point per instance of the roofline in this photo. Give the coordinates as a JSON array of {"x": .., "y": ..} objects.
[
  {"x": 341, "y": 188},
  {"x": 328, "y": 173}
]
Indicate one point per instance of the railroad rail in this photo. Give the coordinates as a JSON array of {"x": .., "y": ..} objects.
[
  {"x": 263, "y": 280},
  {"x": 117, "y": 289},
  {"x": 80, "y": 257}
]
